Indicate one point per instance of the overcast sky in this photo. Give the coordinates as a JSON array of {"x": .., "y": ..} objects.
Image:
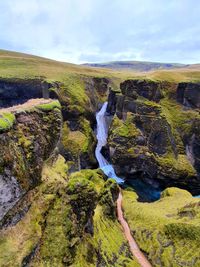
[{"x": 103, "y": 30}]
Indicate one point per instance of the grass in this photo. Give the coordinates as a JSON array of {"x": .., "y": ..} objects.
[
  {"x": 6, "y": 121},
  {"x": 20, "y": 65},
  {"x": 49, "y": 106}
]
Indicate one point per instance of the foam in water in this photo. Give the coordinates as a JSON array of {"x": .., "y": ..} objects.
[
  {"x": 10, "y": 192},
  {"x": 102, "y": 134}
]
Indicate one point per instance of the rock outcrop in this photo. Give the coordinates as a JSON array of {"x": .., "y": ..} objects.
[
  {"x": 78, "y": 140},
  {"x": 150, "y": 136},
  {"x": 27, "y": 138},
  {"x": 65, "y": 221},
  {"x": 18, "y": 91},
  {"x": 188, "y": 94}
]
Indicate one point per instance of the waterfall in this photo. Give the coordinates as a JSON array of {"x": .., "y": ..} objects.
[
  {"x": 102, "y": 134},
  {"x": 145, "y": 191}
]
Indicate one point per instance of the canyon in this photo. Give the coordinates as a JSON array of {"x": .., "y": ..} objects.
[{"x": 94, "y": 159}]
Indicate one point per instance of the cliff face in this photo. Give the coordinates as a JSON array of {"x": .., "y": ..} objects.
[
  {"x": 152, "y": 136},
  {"x": 78, "y": 139},
  {"x": 27, "y": 138},
  {"x": 188, "y": 94},
  {"x": 63, "y": 219},
  {"x": 67, "y": 220},
  {"x": 18, "y": 91},
  {"x": 79, "y": 98}
]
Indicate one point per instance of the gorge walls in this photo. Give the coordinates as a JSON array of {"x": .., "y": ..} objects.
[
  {"x": 27, "y": 138},
  {"x": 151, "y": 133}
]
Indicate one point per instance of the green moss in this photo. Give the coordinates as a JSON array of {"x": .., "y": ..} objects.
[
  {"x": 45, "y": 221},
  {"x": 80, "y": 143},
  {"x": 49, "y": 106},
  {"x": 19, "y": 241},
  {"x": 178, "y": 118},
  {"x": 124, "y": 128},
  {"x": 161, "y": 230},
  {"x": 110, "y": 241},
  {"x": 76, "y": 183},
  {"x": 55, "y": 245},
  {"x": 73, "y": 141},
  {"x": 95, "y": 176},
  {"x": 179, "y": 165},
  {"x": 108, "y": 246},
  {"x": 173, "y": 192},
  {"x": 183, "y": 231},
  {"x": 108, "y": 197},
  {"x": 6, "y": 121}
]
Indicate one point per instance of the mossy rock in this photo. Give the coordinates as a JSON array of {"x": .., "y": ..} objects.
[
  {"x": 173, "y": 192},
  {"x": 6, "y": 121},
  {"x": 49, "y": 106},
  {"x": 164, "y": 229},
  {"x": 108, "y": 197}
]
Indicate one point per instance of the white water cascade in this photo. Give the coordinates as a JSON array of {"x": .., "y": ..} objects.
[{"x": 102, "y": 134}]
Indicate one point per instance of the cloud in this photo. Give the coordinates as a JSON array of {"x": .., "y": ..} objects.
[{"x": 100, "y": 30}]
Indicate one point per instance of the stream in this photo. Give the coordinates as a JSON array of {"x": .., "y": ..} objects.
[
  {"x": 102, "y": 134},
  {"x": 145, "y": 192}
]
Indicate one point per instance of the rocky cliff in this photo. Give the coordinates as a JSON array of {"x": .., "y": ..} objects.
[
  {"x": 28, "y": 135},
  {"x": 15, "y": 91},
  {"x": 152, "y": 136},
  {"x": 57, "y": 209}
]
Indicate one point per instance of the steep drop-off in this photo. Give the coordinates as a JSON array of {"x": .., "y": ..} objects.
[
  {"x": 154, "y": 137},
  {"x": 54, "y": 214},
  {"x": 28, "y": 135}
]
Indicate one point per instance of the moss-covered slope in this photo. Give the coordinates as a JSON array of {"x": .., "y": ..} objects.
[
  {"x": 167, "y": 230},
  {"x": 65, "y": 221}
]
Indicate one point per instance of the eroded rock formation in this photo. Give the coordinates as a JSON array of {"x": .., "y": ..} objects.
[
  {"x": 27, "y": 138},
  {"x": 150, "y": 134}
]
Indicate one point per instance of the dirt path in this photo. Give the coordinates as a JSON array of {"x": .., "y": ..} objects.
[
  {"x": 29, "y": 103},
  {"x": 142, "y": 260}
]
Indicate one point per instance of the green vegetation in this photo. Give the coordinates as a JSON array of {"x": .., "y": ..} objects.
[
  {"x": 108, "y": 198},
  {"x": 180, "y": 165},
  {"x": 179, "y": 118},
  {"x": 111, "y": 242},
  {"x": 25, "y": 146},
  {"x": 49, "y": 106},
  {"x": 80, "y": 140},
  {"x": 70, "y": 219},
  {"x": 162, "y": 228},
  {"x": 6, "y": 121},
  {"x": 124, "y": 128},
  {"x": 80, "y": 143},
  {"x": 46, "y": 207}
]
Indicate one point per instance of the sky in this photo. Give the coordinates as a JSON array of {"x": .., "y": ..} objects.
[{"x": 80, "y": 31}]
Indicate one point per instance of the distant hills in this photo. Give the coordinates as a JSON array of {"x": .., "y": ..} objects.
[{"x": 136, "y": 65}]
